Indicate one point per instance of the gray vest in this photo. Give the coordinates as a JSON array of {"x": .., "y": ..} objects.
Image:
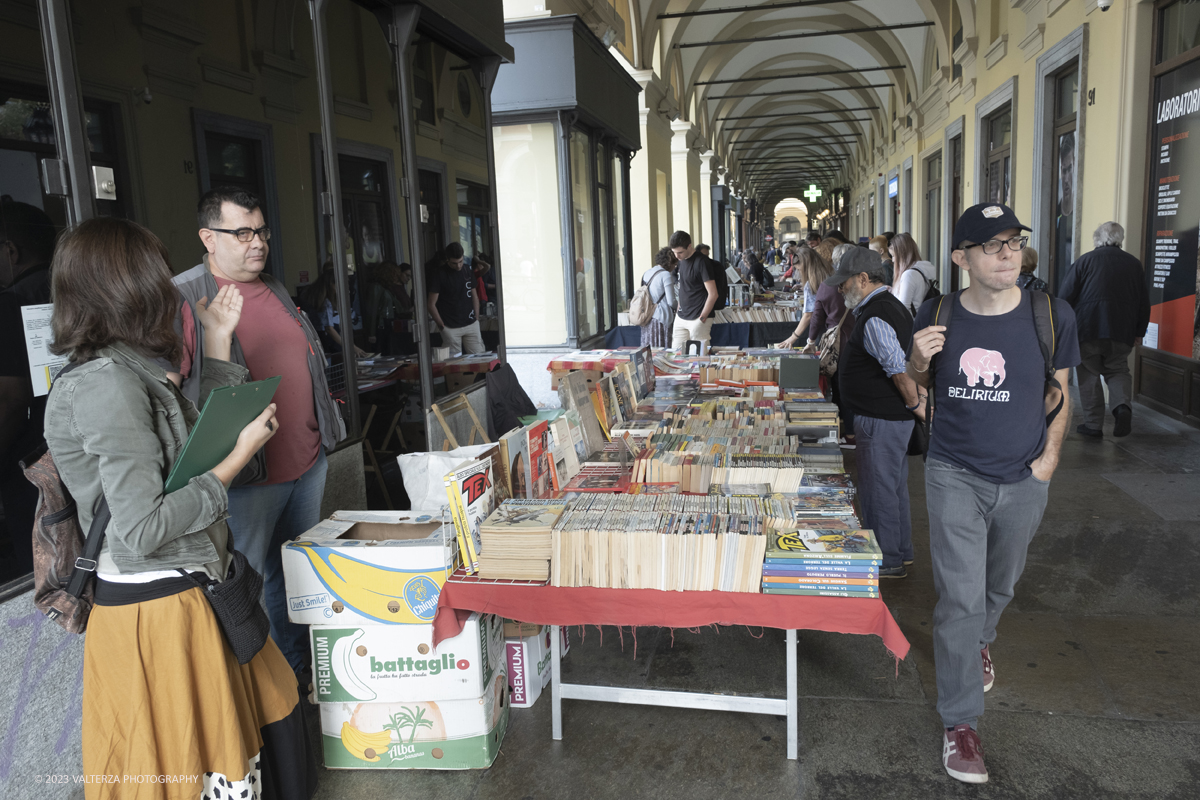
[{"x": 198, "y": 283}]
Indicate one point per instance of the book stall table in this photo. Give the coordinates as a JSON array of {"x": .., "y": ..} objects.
[{"x": 541, "y": 604}]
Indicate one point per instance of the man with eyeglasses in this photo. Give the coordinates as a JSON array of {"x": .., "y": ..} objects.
[
  {"x": 997, "y": 427},
  {"x": 278, "y": 495}
]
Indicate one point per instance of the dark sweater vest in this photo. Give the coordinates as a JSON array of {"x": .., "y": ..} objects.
[{"x": 864, "y": 387}]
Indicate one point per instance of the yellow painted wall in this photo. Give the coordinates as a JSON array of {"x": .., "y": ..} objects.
[{"x": 1111, "y": 176}]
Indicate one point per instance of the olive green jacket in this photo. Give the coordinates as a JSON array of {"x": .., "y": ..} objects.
[{"x": 115, "y": 426}]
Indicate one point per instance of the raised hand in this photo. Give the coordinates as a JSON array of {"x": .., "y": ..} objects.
[{"x": 221, "y": 316}]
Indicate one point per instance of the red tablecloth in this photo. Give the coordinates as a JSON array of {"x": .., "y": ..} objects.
[{"x": 547, "y": 605}]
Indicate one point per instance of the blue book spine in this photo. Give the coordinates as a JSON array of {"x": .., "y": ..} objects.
[
  {"x": 812, "y": 573},
  {"x": 820, "y": 564}
]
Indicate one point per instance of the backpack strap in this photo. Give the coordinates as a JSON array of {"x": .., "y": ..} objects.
[
  {"x": 1043, "y": 323},
  {"x": 942, "y": 314},
  {"x": 85, "y": 565}
]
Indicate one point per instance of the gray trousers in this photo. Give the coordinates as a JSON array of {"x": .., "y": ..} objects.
[
  {"x": 1109, "y": 358},
  {"x": 881, "y": 453},
  {"x": 979, "y": 534}
]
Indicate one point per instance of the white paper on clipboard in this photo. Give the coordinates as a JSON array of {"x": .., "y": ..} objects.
[{"x": 43, "y": 365}]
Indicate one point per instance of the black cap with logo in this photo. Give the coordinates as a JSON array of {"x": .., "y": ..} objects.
[{"x": 980, "y": 223}]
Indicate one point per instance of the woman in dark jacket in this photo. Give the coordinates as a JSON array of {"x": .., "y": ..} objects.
[{"x": 163, "y": 692}]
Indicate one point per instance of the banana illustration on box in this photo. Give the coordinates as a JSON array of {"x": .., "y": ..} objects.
[
  {"x": 345, "y": 670},
  {"x": 366, "y": 746},
  {"x": 357, "y": 584}
]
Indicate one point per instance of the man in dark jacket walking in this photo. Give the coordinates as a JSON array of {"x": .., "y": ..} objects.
[{"x": 1107, "y": 289}]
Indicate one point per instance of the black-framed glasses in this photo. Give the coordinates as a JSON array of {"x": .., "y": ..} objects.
[
  {"x": 245, "y": 235},
  {"x": 993, "y": 246}
]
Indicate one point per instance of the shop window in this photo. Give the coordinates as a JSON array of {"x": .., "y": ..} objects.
[
  {"x": 235, "y": 152},
  {"x": 27, "y": 136},
  {"x": 933, "y": 210},
  {"x": 583, "y": 226},
  {"x": 530, "y": 234},
  {"x": 474, "y": 232},
  {"x": 1062, "y": 231},
  {"x": 999, "y": 157},
  {"x": 956, "y": 199},
  {"x": 433, "y": 233},
  {"x": 1179, "y": 26},
  {"x": 621, "y": 237},
  {"x": 366, "y": 212}
]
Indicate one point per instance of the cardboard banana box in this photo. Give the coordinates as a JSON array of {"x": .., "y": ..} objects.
[
  {"x": 396, "y": 663},
  {"x": 527, "y": 659},
  {"x": 369, "y": 567},
  {"x": 419, "y": 734}
]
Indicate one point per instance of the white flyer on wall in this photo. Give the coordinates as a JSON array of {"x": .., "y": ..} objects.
[
  {"x": 43, "y": 365},
  {"x": 1151, "y": 337}
]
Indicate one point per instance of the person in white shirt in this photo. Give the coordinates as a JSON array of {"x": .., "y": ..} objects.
[{"x": 913, "y": 276}]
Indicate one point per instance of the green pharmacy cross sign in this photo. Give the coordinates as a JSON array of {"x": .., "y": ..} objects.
[{"x": 813, "y": 193}]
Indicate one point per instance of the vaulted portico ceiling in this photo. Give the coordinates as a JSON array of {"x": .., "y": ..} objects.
[{"x": 755, "y": 71}]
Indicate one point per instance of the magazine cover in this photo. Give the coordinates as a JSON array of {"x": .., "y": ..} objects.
[
  {"x": 817, "y": 543},
  {"x": 541, "y": 452},
  {"x": 566, "y": 460},
  {"x": 472, "y": 498},
  {"x": 576, "y": 396},
  {"x": 514, "y": 449}
]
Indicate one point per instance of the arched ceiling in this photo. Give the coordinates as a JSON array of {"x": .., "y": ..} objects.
[{"x": 795, "y": 127}]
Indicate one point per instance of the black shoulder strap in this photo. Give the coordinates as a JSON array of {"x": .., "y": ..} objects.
[
  {"x": 1043, "y": 323},
  {"x": 85, "y": 565},
  {"x": 942, "y": 314}
]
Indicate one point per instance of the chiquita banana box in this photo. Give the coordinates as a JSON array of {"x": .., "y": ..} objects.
[
  {"x": 398, "y": 663},
  {"x": 369, "y": 567},
  {"x": 417, "y": 734}
]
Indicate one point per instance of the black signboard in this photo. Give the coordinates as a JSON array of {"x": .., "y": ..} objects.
[{"x": 1174, "y": 213}]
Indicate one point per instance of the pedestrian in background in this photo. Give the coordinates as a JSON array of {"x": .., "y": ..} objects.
[
  {"x": 1107, "y": 289},
  {"x": 698, "y": 294},
  {"x": 659, "y": 280},
  {"x": 913, "y": 276},
  {"x": 1027, "y": 279}
]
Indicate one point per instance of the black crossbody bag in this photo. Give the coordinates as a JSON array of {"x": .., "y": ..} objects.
[{"x": 235, "y": 602}]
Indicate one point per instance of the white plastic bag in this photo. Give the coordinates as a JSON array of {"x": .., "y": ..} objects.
[{"x": 424, "y": 473}]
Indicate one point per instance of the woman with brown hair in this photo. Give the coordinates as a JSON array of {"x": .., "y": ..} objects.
[
  {"x": 813, "y": 271},
  {"x": 163, "y": 692},
  {"x": 913, "y": 276}
]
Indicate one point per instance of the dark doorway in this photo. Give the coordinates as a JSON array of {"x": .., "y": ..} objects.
[{"x": 433, "y": 233}]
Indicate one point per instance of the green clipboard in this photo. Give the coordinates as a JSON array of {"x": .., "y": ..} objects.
[{"x": 227, "y": 411}]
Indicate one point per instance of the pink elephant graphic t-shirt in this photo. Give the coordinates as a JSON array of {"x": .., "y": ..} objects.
[{"x": 989, "y": 414}]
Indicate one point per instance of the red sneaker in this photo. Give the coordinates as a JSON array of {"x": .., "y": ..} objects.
[
  {"x": 989, "y": 672},
  {"x": 962, "y": 755}
]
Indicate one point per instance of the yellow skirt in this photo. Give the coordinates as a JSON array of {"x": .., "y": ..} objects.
[{"x": 169, "y": 713}]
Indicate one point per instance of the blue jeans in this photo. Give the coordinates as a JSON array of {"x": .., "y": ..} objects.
[
  {"x": 979, "y": 534},
  {"x": 261, "y": 519},
  {"x": 882, "y": 458}
]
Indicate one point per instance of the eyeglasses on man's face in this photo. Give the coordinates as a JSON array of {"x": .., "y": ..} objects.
[
  {"x": 245, "y": 235},
  {"x": 993, "y": 246}
]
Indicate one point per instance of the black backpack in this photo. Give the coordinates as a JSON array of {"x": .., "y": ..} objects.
[{"x": 1043, "y": 322}]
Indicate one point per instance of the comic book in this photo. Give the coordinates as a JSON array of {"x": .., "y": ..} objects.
[{"x": 471, "y": 492}]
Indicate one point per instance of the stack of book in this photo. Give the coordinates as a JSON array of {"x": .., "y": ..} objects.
[
  {"x": 516, "y": 540},
  {"x": 665, "y": 541},
  {"x": 822, "y": 503},
  {"x": 823, "y": 563}
]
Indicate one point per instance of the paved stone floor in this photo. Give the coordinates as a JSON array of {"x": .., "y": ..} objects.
[{"x": 1096, "y": 694}]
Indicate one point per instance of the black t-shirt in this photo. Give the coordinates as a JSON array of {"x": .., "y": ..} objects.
[
  {"x": 454, "y": 289},
  {"x": 693, "y": 272},
  {"x": 32, "y": 288},
  {"x": 989, "y": 413}
]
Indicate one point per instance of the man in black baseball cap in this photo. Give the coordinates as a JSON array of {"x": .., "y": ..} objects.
[{"x": 997, "y": 427}]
